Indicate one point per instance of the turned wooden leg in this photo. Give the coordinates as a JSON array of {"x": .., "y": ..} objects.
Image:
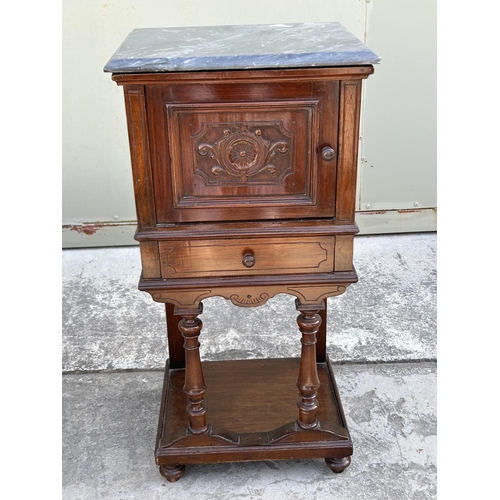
[
  {"x": 309, "y": 322},
  {"x": 194, "y": 384},
  {"x": 175, "y": 341},
  {"x": 321, "y": 337},
  {"x": 338, "y": 464},
  {"x": 172, "y": 472}
]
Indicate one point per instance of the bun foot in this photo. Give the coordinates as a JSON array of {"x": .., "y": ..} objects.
[
  {"x": 172, "y": 473},
  {"x": 338, "y": 464}
]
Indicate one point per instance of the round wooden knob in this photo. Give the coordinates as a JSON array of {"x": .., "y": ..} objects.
[
  {"x": 328, "y": 153},
  {"x": 248, "y": 260}
]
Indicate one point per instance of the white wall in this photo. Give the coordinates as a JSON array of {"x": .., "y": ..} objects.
[
  {"x": 97, "y": 184},
  {"x": 399, "y": 147}
]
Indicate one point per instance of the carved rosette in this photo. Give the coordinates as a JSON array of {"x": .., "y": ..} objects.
[
  {"x": 249, "y": 300},
  {"x": 242, "y": 153}
]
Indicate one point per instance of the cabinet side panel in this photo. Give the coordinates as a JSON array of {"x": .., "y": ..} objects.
[
  {"x": 139, "y": 154},
  {"x": 344, "y": 253},
  {"x": 350, "y": 100},
  {"x": 150, "y": 258}
]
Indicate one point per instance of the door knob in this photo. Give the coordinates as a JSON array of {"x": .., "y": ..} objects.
[
  {"x": 248, "y": 260},
  {"x": 328, "y": 153}
]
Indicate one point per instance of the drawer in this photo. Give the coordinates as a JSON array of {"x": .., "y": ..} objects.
[{"x": 246, "y": 256}]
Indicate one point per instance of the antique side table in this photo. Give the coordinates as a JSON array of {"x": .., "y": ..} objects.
[{"x": 244, "y": 143}]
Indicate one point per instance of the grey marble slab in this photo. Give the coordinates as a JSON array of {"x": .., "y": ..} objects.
[{"x": 239, "y": 47}]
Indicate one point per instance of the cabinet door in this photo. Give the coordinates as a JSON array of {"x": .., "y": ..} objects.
[{"x": 243, "y": 151}]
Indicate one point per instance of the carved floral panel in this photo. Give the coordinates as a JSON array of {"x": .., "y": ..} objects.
[{"x": 243, "y": 153}]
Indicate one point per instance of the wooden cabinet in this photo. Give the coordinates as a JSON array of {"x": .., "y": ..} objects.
[{"x": 245, "y": 183}]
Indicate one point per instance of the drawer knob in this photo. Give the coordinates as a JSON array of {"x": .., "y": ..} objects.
[
  {"x": 328, "y": 153},
  {"x": 248, "y": 260}
]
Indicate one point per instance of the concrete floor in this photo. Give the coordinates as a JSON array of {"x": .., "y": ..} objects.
[{"x": 381, "y": 337}]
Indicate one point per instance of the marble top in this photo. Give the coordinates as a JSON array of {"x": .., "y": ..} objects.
[{"x": 239, "y": 47}]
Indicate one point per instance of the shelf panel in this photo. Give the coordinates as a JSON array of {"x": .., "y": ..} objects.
[{"x": 252, "y": 401}]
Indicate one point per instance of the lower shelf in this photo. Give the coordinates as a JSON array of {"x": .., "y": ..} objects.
[{"x": 251, "y": 411}]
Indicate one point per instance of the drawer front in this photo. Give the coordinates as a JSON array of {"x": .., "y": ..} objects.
[
  {"x": 244, "y": 151},
  {"x": 243, "y": 256}
]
